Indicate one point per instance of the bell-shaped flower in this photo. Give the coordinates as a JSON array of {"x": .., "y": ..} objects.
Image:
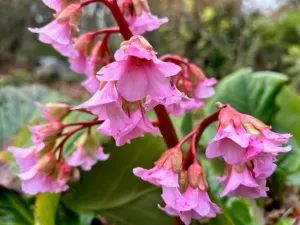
[
  {"x": 240, "y": 137},
  {"x": 48, "y": 175},
  {"x": 139, "y": 17},
  {"x": 45, "y": 132},
  {"x": 165, "y": 172},
  {"x": 185, "y": 105},
  {"x": 88, "y": 152},
  {"x": 60, "y": 31},
  {"x": 58, "y": 5},
  {"x": 54, "y": 111},
  {"x": 241, "y": 181},
  {"x": 137, "y": 71},
  {"x": 137, "y": 125}
]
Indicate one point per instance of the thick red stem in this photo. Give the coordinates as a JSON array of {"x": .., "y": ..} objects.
[{"x": 166, "y": 127}]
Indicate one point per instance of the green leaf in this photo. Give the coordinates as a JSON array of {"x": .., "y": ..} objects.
[
  {"x": 17, "y": 107},
  {"x": 111, "y": 190},
  {"x": 288, "y": 117},
  {"x": 13, "y": 209},
  {"x": 46, "y": 205},
  {"x": 287, "y": 221}
]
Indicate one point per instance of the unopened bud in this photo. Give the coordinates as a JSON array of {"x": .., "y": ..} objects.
[
  {"x": 177, "y": 161},
  {"x": 172, "y": 158},
  {"x": 196, "y": 72},
  {"x": 183, "y": 181},
  {"x": 71, "y": 13},
  {"x": 50, "y": 130},
  {"x": 64, "y": 171},
  {"x": 197, "y": 177},
  {"x": 54, "y": 111},
  {"x": 85, "y": 42},
  {"x": 140, "y": 41},
  {"x": 47, "y": 163}
]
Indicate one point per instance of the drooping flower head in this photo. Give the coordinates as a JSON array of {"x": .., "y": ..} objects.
[
  {"x": 249, "y": 149},
  {"x": 240, "y": 135},
  {"x": 60, "y": 31},
  {"x": 165, "y": 172},
  {"x": 48, "y": 175},
  {"x": 190, "y": 200},
  {"x": 88, "y": 152},
  {"x": 139, "y": 18}
]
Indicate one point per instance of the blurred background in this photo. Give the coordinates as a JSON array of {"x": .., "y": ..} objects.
[{"x": 220, "y": 36}]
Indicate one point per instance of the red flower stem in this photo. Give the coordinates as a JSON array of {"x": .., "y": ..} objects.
[
  {"x": 83, "y": 110},
  {"x": 195, "y": 135},
  {"x": 109, "y": 30},
  {"x": 169, "y": 57},
  {"x": 166, "y": 127},
  {"x": 85, "y": 124}
]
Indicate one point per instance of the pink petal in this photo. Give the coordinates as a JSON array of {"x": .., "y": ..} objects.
[
  {"x": 100, "y": 155},
  {"x": 113, "y": 71}
]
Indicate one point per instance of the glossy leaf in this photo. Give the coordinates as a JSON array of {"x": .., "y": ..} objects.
[
  {"x": 13, "y": 209},
  {"x": 111, "y": 190}
]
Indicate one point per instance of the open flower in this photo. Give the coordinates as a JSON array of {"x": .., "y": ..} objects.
[
  {"x": 48, "y": 175},
  {"x": 138, "y": 72},
  {"x": 88, "y": 152},
  {"x": 139, "y": 18},
  {"x": 60, "y": 31},
  {"x": 241, "y": 181},
  {"x": 240, "y": 137}
]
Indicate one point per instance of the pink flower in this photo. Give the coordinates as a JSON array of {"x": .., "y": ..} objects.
[
  {"x": 204, "y": 88},
  {"x": 185, "y": 105},
  {"x": 45, "y": 132},
  {"x": 26, "y": 158},
  {"x": 54, "y": 4},
  {"x": 47, "y": 175},
  {"x": 86, "y": 158},
  {"x": 158, "y": 176},
  {"x": 91, "y": 84},
  {"x": 263, "y": 165},
  {"x": 79, "y": 62},
  {"x": 138, "y": 72},
  {"x": 240, "y": 181},
  {"x": 165, "y": 172},
  {"x": 60, "y": 31},
  {"x": 230, "y": 143},
  {"x": 193, "y": 203},
  {"x": 241, "y": 137},
  {"x": 137, "y": 126},
  {"x": 144, "y": 22},
  {"x": 54, "y": 111}
]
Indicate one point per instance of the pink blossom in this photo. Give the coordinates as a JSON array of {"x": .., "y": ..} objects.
[
  {"x": 204, "y": 88},
  {"x": 185, "y": 105},
  {"x": 138, "y": 72},
  {"x": 240, "y": 181},
  {"x": 138, "y": 125},
  {"x": 45, "y": 132},
  {"x": 230, "y": 143},
  {"x": 78, "y": 62},
  {"x": 91, "y": 84},
  {"x": 144, "y": 22},
  {"x": 26, "y": 158},
  {"x": 46, "y": 176},
  {"x": 86, "y": 158},
  {"x": 54, "y": 4},
  {"x": 158, "y": 176},
  {"x": 263, "y": 165},
  {"x": 194, "y": 203},
  {"x": 60, "y": 31},
  {"x": 272, "y": 141}
]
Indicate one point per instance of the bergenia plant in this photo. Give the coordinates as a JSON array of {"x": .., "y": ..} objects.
[{"x": 123, "y": 87}]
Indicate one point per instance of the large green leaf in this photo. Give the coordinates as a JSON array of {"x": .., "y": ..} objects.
[
  {"x": 46, "y": 205},
  {"x": 13, "y": 209},
  {"x": 17, "y": 107},
  {"x": 111, "y": 190}
]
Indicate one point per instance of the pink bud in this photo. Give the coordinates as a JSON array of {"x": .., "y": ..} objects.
[
  {"x": 183, "y": 181},
  {"x": 197, "y": 177},
  {"x": 54, "y": 111},
  {"x": 172, "y": 158}
]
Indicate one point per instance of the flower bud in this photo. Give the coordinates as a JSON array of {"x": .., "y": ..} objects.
[
  {"x": 85, "y": 42},
  {"x": 196, "y": 72},
  {"x": 183, "y": 181},
  {"x": 140, "y": 41},
  {"x": 46, "y": 132},
  {"x": 54, "y": 111},
  {"x": 172, "y": 158},
  {"x": 71, "y": 13},
  {"x": 47, "y": 163},
  {"x": 197, "y": 177}
]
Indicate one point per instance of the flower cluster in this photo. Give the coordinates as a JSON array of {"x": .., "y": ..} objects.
[
  {"x": 41, "y": 167},
  {"x": 136, "y": 74},
  {"x": 249, "y": 149},
  {"x": 184, "y": 190}
]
